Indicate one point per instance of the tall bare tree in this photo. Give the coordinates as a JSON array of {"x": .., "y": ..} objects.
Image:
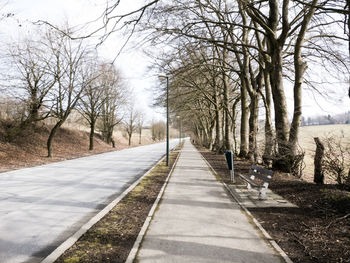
[
  {"x": 67, "y": 69},
  {"x": 114, "y": 94},
  {"x": 131, "y": 121},
  {"x": 140, "y": 124},
  {"x": 92, "y": 98}
]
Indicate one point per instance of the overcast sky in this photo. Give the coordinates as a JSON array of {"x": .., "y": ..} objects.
[{"x": 132, "y": 63}]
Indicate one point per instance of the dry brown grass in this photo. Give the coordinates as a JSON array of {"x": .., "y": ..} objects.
[
  {"x": 306, "y": 142},
  {"x": 29, "y": 148}
]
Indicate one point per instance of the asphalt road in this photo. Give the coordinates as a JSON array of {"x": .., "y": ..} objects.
[{"x": 42, "y": 206}]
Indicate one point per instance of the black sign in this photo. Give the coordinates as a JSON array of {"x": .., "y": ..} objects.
[{"x": 229, "y": 159}]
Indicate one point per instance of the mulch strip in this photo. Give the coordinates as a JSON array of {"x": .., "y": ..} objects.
[
  {"x": 317, "y": 231},
  {"x": 112, "y": 238}
]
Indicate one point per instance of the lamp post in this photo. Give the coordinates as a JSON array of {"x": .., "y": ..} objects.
[{"x": 167, "y": 117}]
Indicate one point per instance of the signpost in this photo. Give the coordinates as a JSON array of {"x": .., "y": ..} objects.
[{"x": 229, "y": 159}]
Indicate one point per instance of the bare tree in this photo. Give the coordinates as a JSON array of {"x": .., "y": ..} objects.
[
  {"x": 158, "y": 130},
  {"x": 92, "y": 98},
  {"x": 140, "y": 123},
  {"x": 131, "y": 122},
  {"x": 114, "y": 95},
  {"x": 67, "y": 69}
]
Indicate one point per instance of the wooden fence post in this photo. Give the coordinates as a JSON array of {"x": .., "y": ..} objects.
[{"x": 318, "y": 172}]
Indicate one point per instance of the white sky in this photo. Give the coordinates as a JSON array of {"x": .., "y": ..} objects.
[{"x": 132, "y": 64}]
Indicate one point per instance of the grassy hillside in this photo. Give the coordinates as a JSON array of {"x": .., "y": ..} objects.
[{"x": 29, "y": 149}]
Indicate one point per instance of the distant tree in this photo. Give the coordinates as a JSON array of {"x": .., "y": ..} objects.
[
  {"x": 309, "y": 121},
  {"x": 303, "y": 121},
  {"x": 114, "y": 97},
  {"x": 92, "y": 98},
  {"x": 140, "y": 123},
  {"x": 131, "y": 122},
  {"x": 158, "y": 130}
]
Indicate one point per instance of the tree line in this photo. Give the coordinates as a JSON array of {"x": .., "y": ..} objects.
[
  {"x": 230, "y": 61},
  {"x": 343, "y": 118},
  {"x": 51, "y": 76}
]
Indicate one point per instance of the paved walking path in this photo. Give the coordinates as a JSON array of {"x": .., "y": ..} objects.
[{"x": 197, "y": 221}]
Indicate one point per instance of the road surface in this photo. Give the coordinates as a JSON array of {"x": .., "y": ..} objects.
[{"x": 42, "y": 206}]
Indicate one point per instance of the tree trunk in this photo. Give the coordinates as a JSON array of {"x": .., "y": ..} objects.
[
  {"x": 280, "y": 105},
  {"x": 233, "y": 123},
  {"x": 318, "y": 172},
  {"x": 244, "y": 122},
  {"x": 299, "y": 69},
  {"x": 51, "y": 136},
  {"x": 109, "y": 136},
  {"x": 283, "y": 160},
  {"x": 218, "y": 128},
  {"x": 227, "y": 144},
  {"x": 129, "y": 138},
  {"x": 253, "y": 126},
  {"x": 92, "y": 135},
  {"x": 268, "y": 151}
]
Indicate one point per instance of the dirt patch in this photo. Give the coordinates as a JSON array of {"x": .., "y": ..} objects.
[
  {"x": 318, "y": 230},
  {"x": 112, "y": 238}
]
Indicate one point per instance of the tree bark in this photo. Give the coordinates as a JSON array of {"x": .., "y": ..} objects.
[
  {"x": 268, "y": 151},
  {"x": 218, "y": 125},
  {"x": 51, "y": 136},
  {"x": 280, "y": 105},
  {"x": 129, "y": 134},
  {"x": 253, "y": 126},
  {"x": 299, "y": 69},
  {"x": 227, "y": 134},
  {"x": 92, "y": 135},
  {"x": 244, "y": 122}
]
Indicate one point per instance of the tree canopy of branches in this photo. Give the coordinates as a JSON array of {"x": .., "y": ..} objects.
[{"x": 223, "y": 54}]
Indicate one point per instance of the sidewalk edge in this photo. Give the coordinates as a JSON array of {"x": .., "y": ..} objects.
[
  {"x": 135, "y": 249},
  {"x": 256, "y": 222},
  {"x": 54, "y": 255}
]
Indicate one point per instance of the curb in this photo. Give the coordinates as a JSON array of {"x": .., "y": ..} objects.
[
  {"x": 53, "y": 256},
  {"x": 133, "y": 253},
  {"x": 267, "y": 236}
]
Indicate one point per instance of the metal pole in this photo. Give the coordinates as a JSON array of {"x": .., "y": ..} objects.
[
  {"x": 180, "y": 130},
  {"x": 233, "y": 169},
  {"x": 167, "y": 121}
]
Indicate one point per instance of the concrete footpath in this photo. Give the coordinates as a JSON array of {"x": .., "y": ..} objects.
[{"x": 197, "y": 222}]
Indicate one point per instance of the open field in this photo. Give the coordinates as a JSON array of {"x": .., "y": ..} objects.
[
  {"x": 307, "y": 144},
  {"x": 306, "y": 141}
]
